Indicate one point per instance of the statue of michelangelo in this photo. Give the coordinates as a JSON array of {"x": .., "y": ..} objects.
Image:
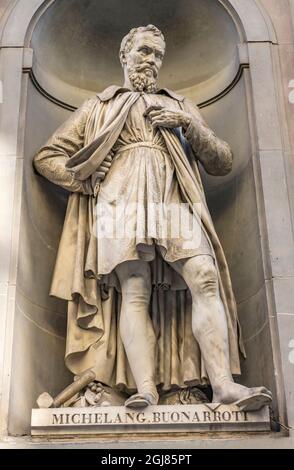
[{"x": 149, "y": 310}]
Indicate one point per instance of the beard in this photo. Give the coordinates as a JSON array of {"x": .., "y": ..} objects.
[{"x": 142, "y": 79}]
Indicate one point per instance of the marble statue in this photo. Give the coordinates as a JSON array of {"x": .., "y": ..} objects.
[{"x": 149, "y": 311}]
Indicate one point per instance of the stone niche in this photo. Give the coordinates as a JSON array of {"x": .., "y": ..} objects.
[{"x": 76, "y": 46}]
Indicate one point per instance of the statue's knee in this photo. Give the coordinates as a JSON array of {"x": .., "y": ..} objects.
[
  {"x": 206, "y": 282},
  {"x": 137, "y": 288}
]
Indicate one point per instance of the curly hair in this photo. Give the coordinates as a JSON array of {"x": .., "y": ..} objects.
[{"x": 128, "y": 40}]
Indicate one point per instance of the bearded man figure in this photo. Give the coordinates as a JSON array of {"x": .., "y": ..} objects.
[{"x": 147, "y": 311}]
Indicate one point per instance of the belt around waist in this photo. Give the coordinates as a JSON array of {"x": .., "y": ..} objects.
[{"x": 151, "y": 145}]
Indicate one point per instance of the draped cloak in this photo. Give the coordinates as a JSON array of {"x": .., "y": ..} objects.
[{"x": 68, "y": 159}]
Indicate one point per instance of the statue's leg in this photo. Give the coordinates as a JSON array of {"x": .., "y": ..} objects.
[
  {"x": 136, "y": 329},
  {"x": 210, "y": 329}
]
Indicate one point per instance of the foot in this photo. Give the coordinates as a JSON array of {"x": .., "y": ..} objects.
[
  {"x": 141, "y": 400},
  {"x": 247, "y": 399}
]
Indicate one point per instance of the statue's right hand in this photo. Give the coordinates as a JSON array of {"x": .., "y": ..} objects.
[
  {"x": 100, "y": 174},
  {"x": 103, "y": 168},
  {"x": 92, "y": 184}
]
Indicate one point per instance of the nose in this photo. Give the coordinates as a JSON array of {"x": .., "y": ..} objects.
[
  {"x": 151, "y": 61},
  {"x": 151, "y": 64},
  {"x": 151, "y": 58}
]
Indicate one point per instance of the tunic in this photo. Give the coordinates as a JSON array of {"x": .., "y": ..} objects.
[{"x": 140, "y": 208}]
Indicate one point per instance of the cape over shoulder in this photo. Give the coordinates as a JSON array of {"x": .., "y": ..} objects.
[{"x": 111, "y": 91}]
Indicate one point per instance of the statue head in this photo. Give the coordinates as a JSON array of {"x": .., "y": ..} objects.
[{"x": 141, "y": 55}]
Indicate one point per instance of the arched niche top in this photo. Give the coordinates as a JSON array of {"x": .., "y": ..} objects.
[
  {"x": 78, "y": 41},
  {"x": 21, "y": 17},
  {"x": 76, "y": 45},
  {"x": 253, "y": 22},
  {"x": 72, "y": 42}
]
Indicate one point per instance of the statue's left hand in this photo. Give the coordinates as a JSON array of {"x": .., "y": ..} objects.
[{"x": 162, "y": 117}]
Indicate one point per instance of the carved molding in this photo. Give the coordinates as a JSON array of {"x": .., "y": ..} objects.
[{"x": 72, "y": 108}]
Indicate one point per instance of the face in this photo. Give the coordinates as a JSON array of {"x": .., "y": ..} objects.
[{"x": 146, "y": 54}]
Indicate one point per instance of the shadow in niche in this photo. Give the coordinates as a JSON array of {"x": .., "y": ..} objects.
[
  {"x": 73, "y": 39},
  {"x": 72, "y": 44}
]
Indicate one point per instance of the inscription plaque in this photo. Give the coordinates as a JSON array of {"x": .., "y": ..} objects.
[{"x": 118, "y": 419}]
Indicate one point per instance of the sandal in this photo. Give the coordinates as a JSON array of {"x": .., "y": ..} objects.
[
  {"x": 137, "y": 401},
  {"x": 254, "y": 402}
]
